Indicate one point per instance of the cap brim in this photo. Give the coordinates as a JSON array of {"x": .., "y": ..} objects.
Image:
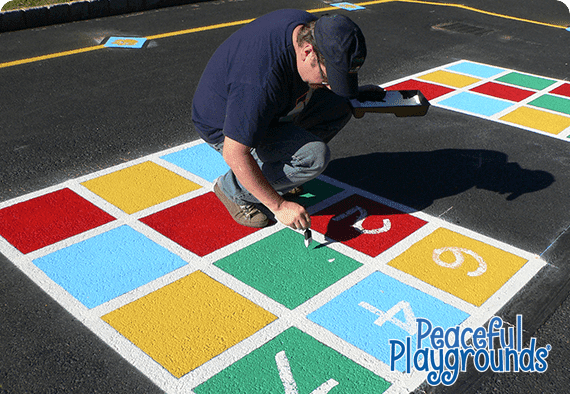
[{"x": 343, "y": 83}]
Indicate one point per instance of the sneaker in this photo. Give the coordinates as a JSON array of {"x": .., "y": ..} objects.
[{"x": 246, "y": 215}]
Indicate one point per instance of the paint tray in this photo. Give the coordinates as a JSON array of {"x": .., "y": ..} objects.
[{"x": 399, "y": 102}]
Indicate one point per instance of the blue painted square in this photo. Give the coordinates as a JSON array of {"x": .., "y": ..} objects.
[
  {"x": 346, "y": 318},
  {"x": 125, "y": 42},
  {"x": 201, "y": 160},
  {"x": 476, "y": 104},
  {"x": 348, "y": 6},
  {"x": 108, "y": 265},
  {"x": 477, "y": 70}
]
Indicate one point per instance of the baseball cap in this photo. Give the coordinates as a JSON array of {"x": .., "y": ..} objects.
[{"x": 342, "y": 44}]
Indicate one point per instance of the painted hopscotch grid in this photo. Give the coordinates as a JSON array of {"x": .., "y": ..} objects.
[
  {"x": 536, "y": 103},
  {"x": 135, "y": 254}
]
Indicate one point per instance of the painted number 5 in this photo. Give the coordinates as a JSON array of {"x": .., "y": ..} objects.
[
  {"x": 362, "y": 215},
  {"x": 459, "y": 259}
]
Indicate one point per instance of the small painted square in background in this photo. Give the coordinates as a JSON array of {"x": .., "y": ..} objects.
[
  {"x": 201, "y": 224},
  {"x": 365, "y": 225},
  {"x": 348, "y": 6},
  {"x": 379, "y": 309},
  {"x": 125, "y": 42},
  {"x": 553, "y": 103},
  {"x": 314, "y": 192},
  {"x": 450, "y": 79},
  {"x": 562, "y": 90},
  {"x": 299, "y": 359},
  {"x": 476, "y": 104},
  {"x": 503, "y": 91},
  {"x": 282, "y": 268},
  {"x": 188, "y": 322},
  {"x": 462, "y": 266},
  {"x": 477, "y": 70},
  {"x": 201, "y": 160},
  {"x": 526, "y": 81},
  {"x": 108, "y": 265},
  {"x": 47, "y": 219},
  {"x": 429, "y": 90},
  {"x": 141, "y": 186},
  {"x": 538, "y": 120}
]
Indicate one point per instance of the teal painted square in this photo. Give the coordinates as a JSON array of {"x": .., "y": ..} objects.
[
  {"x": 314, "y": 192},
  {"x": 125, "y": 42},
  {"x": 477, "y": 70},
  {"x": 526, "y": 81},
  {"x": 553, "y": 103},
  {"x": 304, "y": 363},
  {"x": 346, "y": 317},
  {"x": 108, "y": 265},
  {"x": 476, "y": 104},
  {"x": 201, "y": 160},
  {"x": 348, "y": 6},
  {"x": 282, "y": 268}
]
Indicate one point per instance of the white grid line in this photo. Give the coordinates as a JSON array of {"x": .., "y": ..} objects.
[{"x": 286, "y": 317}]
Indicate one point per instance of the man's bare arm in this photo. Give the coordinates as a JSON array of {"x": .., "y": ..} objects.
[{"x": 245, "y": 168}]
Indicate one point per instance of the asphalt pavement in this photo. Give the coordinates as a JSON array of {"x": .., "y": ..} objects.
[{"x": 81, "y": 111}]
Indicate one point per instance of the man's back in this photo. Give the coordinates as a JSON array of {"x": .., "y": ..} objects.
[{"x": 251, "y": 80}]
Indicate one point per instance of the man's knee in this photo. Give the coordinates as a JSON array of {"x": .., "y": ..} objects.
[{"x": 319, "y": 156}]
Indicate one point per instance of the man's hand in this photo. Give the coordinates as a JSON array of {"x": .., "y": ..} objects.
[
  {"x": 371, "y": 93},
  {"x": 293, "y": 215}
]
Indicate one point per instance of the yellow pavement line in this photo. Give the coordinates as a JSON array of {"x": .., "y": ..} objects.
[
  {"x": 245, "y": 21},
  {"x": 51, "y": 56},
  {"x": 219, "y": 26},
  {"x": 198, "y": 29},
  {"x": 464, "y": 7}
]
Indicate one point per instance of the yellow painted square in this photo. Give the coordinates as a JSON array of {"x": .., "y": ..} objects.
[
  {"x": 188, "y": 322},
  {"x": 450, "y": 79},
  {"x": 140, "y": 186},
  {"x": 467, "y": 268},
  {"x": 537, "y": 119}
]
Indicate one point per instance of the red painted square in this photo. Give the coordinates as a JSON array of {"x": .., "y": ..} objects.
[
  {"x": 201, "y": 225},
  {"x": 381, "y": 228},
  {"x": 44, "y": 220},
  {"x": 430, "y": 91},
  {"x": 503, "y": 91},
  {"x": 563, "y": 90}
]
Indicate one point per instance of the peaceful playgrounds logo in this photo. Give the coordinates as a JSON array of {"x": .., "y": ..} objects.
[{"x": 451, "y": 351}]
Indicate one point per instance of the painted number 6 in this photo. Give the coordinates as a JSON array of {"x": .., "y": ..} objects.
[{"x": 459, "y": 259}]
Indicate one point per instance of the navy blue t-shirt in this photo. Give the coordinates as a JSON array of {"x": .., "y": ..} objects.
[{"x": 251, "y": 80}]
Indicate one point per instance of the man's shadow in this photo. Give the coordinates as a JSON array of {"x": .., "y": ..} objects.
[{"x": 417, "y": 179}]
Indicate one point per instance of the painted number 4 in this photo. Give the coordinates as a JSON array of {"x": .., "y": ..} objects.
[
  {"x": 362, "y": 215},
  {"x": 287, "y": 377},
  {"x": 409, "y": 325}
]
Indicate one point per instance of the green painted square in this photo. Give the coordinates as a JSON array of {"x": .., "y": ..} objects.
[
  {"x": 316, "y": 191},
  {"x": 281, "y": 267},
  {"x": 527, "y": 81},
  {"x": 552, "y": 103},
  {"x": 310, "y": 363}
]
